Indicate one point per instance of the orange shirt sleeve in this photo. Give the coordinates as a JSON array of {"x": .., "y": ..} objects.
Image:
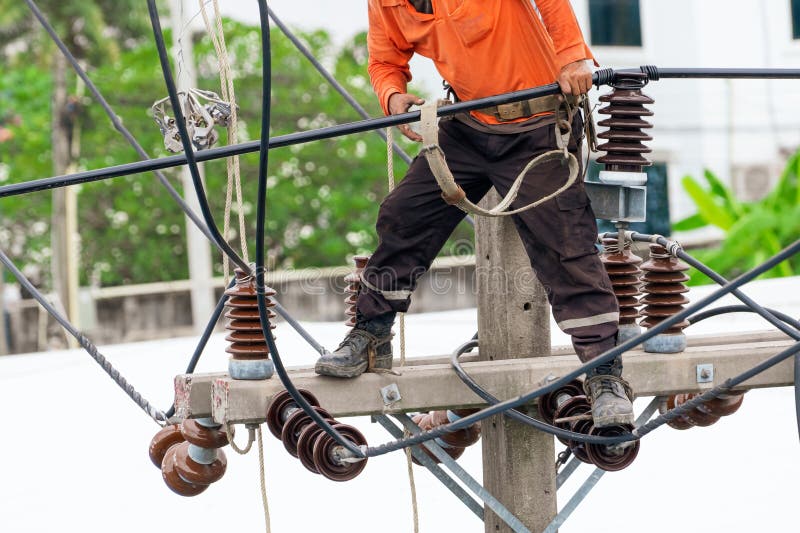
[
  {"x": 561, "y": 24},
  {"x": 388, "y": 63}
]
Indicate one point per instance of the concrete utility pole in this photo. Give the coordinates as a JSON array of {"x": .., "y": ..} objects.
[
  {"x": 513, "y": 322},
  {"x": 64, "y": 227},
  {"x": 199, "y": 252}
]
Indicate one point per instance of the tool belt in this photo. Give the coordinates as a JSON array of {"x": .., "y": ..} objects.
[{"x": 526, "y": 108}]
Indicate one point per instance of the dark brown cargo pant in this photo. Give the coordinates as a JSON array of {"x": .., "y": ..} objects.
[{"x": 559, "y": 235}]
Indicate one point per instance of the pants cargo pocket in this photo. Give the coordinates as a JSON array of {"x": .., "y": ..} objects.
[{"x": 578, "y": 226}]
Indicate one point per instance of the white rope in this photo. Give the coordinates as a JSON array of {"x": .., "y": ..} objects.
[
  {"x": 413, "y": 485},
  {"x": 228, "y": 94},
  {"x": 409, "y": 462},
  {"x": 264, "y": 502},
  {"x": 231, "y": 430}
]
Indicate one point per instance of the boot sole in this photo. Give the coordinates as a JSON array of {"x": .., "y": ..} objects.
[{"x": 338, "y": 371}]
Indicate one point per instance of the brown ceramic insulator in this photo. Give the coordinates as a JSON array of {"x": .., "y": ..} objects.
[
  {"x": 295, "y": 424},
  {"x": 455, "y": 441},
  {"x": 203, "y": 436},
  {"x": 246, "y": 337},
  {"x": 624, "y": 137},
  {"x": 174, "y": 481},
  {"x": 724, "y": 404},
  {"x": 197, "y": 473},
  {"x": 163, "y": 441},
  {"x": 549, "y": 402},
  {"x": 663, "y": 287},
  {"x": 625, "y": 277},
  {"x": 326, "y": 451},
  {"x": 353, "y": 281},
  {"x": 282, "y": 406},
  {"x": 680, "y": 422},
  {"x": 705, "y": 414},
  {"x": 610, "y": 458},
  {"x": 574, "y": 406},
  {"x": 305, "y": 446}
]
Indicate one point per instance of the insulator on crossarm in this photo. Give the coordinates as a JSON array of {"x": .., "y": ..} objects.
[
  {"x": 705, "y": 414},
  {"x": 453, "y": 443},
  {"x": 664, "y": 290},
  {"x": 625, "y": 275},
  {"x": 353, "y": 281},
  {"x": 624, "y": 160},
  {"x": 248, "y": 346},
  {"x": 190, "y": 467}
]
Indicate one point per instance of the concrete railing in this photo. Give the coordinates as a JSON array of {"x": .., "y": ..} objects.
[{"x": 159, "y": 310}]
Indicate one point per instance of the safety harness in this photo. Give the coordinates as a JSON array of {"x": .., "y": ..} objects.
[{"x": 453, "y": 194}]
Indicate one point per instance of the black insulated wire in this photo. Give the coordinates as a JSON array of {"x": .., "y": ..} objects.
[
  {"x": 516, "y": 415},
  {"x": 368, "y": 125},
  {"x": 603, "y": 358},
  {"x": 188, "y": 150},
  {"x": 261, "y": 210}
]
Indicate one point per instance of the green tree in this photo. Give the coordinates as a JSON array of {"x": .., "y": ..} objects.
[
  {"x": 754, "y": 231},
  {"x": 92, "y": 36},
  {"x": 323, "y": 196}
]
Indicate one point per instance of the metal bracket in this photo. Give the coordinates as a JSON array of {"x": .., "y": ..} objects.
[
  {"x": 390, "y": 394},
  {"x": 621, "y": 203},
  {"x": 705, "y": 373}
]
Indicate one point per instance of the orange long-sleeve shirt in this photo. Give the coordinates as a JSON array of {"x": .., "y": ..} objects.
[{"x": 481, "y": 47}]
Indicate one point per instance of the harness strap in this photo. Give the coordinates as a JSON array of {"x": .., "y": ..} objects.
[{"x": 453, "y": 194}]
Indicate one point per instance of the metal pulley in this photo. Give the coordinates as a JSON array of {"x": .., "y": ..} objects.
[{"x": 202, "y": 110}]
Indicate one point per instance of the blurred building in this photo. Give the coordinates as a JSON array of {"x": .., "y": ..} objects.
[{"x": 742, "y": 130}]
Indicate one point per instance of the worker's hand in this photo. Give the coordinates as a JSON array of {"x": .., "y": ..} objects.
[
  {"x": 399, "y": 103},
  {"x": 575, "y": 78}
]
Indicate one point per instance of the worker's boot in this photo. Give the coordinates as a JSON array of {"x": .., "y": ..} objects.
[
  {"x": 609, "y": 395},
  {"x": 367, "y": 345}
]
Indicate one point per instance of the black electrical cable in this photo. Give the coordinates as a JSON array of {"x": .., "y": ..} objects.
[
  {"x": 134, "y": 143},
  {"x": 261, "y": 208},
  {"x": 676, "y": 249},
  {"x": 521, "y": 417},
  {"x": 188, "y": 150},
  {"x": 603, "y": 358},
  {"x": 716, "y": 311},
  {"x": 600, "y": 77},
  {"x": 253, "y": 146},
  {"x": 718, "y": 390}
]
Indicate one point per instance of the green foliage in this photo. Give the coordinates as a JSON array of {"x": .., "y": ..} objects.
[
  {"x": 323, "y": 197},
  {"x": 754, "y": 230}
]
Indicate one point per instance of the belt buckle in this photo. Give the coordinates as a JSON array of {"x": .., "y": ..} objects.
[{"x": 509, "y": 111}]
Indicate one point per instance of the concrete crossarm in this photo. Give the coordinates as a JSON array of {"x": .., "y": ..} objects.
[{"x": 435, "y": 386}]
